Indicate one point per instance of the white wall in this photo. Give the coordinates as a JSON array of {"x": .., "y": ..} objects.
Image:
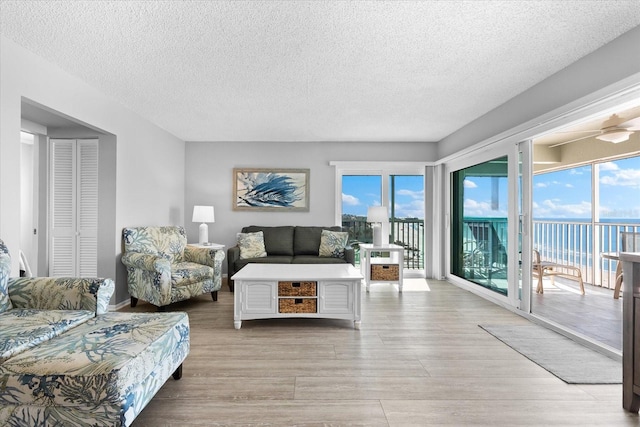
[
  {"x": 209, "y": 174},
  {"x": 582, "y": 82},
  {"x": 150, "y": 175}
]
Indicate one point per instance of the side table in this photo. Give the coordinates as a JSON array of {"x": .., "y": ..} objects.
[
  {"x": 216, "y": 246},
  {"x": 376, "y": 268}
]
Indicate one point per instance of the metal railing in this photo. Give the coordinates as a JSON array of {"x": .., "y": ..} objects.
[
  {"x": 581, "y": 244},
  {"x": 576, "y": 243},
  {"x": 408, "y": 233}
]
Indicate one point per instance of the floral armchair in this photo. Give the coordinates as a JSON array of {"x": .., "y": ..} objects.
[{"x": 163, "y": 269}]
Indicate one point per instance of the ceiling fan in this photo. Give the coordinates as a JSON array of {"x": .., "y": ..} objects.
[{"x": 613, "y": 130}]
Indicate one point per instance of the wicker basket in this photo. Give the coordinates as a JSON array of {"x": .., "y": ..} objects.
[
  {"x": 388, "y": 272},
  {"x": 297, "y": 305},
  {"x": 297, "y": 289}
]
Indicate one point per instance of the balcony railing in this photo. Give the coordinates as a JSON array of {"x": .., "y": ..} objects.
[
  {"x": 408, "y": 233},
  {"x": 581, "y": 244},
  {"x": 576, "y": 243}
]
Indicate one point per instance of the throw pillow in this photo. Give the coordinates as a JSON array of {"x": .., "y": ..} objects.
[
  {"x": 332, "y": 243},
  {"x": 251, "y": 245}
]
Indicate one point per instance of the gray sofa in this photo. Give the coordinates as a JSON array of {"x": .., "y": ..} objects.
[{"x": 287, "y": 245}]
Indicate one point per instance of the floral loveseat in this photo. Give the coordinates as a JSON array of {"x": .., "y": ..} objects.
[
  {"x": 162, "y": 269},
  {"x": 289, "y": 245},
  {"x": 66, "y": 361}
]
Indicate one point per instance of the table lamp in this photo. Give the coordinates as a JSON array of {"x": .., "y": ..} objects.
[
  {"x": 203, "y": 214},
  {"x": 377, "y": 215}
]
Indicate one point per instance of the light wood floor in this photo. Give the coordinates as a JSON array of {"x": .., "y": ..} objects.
[{"x": 420, "y": 359}]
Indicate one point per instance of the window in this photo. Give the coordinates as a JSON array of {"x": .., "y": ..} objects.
[{"x": 398, "y": 186}]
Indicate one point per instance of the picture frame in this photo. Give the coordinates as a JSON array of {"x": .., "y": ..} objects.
[{"x": 271, "y": 189}]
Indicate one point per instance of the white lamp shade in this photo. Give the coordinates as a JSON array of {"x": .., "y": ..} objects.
[
  {"x": 377, "y": 214},
  {"x": 203, "y": 214}
]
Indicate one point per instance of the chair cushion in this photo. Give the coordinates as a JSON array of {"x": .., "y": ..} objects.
[
  {"x": 23, "y": 328},
  {"x": 5, "y": 270},
  {"x": 185, "y": 273},
  {"x": 277, "y": 240},
  {"x": 307, "y": 239},
  {"x": 332, "y": 243}
]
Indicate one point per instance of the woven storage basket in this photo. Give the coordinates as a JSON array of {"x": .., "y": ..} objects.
[
  {"x": 297, "y": 305},
  {"x": 297, "y": 289},
  {"x": 385, "y": 272}
]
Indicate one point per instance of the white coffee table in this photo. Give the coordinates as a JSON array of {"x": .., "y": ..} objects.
[{"x": 329, "y": 291}]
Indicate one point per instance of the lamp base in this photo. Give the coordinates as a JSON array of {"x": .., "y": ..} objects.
[
  {"x": 377, "y": 235},
  {"x": 203, "y": 237}
]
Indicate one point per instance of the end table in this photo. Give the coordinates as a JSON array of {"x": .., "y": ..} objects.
[
  {"x": 377, "y": 268},
  {"x": 216, "y": 246}
]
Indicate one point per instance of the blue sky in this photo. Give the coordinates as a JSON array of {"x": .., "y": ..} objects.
[
  {"x": 560, "y": 194},
  {"x": 361, "y": 191},
  {"x": 482, "y": 200},
  {"x": 567, "y": 193}
]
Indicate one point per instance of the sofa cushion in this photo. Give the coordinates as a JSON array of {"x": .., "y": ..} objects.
[
  {"x": 332, "y": 243},
  {"x": 311, "y": 259},
  {"x": 5, "y": 270},
  {"x": 251, "y": 245},
  {"x": 97, "y": 366},
  {"x": 307, "y": 239},
  {"x": 266, "y": 260},
  {"x": 277, "y": 240},
  {"x": 23, "y": 328}
]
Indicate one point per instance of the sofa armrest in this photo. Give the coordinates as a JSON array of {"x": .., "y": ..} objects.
[
  {"x": 350, "y": 255},
  {"x": 233, "y": 254},
  {"x": 146, "y": 262},
  {"x": 207, "y": 256},
  {"x": 61, "y": 293}
]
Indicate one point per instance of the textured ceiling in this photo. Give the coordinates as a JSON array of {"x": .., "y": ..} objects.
[{"x": 314, "y": 70}]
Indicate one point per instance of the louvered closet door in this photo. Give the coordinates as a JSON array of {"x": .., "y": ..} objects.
[
  {"x": 74, "y": 207},
  {"x": 87, "y": 208}
]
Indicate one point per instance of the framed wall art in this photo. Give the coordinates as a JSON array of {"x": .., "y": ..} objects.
[{"x": 266, "y": 189}]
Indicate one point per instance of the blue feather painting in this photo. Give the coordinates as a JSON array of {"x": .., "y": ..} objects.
[{"x": 271, "y": 189}]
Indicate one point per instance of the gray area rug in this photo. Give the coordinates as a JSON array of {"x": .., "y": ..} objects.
[{"x": 566, "y": 359}]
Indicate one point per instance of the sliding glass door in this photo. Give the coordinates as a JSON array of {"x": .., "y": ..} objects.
[{"x": 487, "y": 219}]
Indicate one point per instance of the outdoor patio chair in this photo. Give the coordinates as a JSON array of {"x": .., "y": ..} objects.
[{"x": 552, "y": 269}]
